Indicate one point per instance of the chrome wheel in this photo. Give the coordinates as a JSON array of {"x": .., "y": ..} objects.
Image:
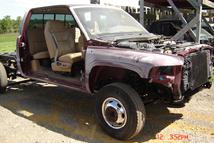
[{"x": 114, "y": 113}]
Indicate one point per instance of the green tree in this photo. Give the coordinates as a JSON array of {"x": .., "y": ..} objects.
[
  {"x": 9, "y": 25},
  {"x": 16, "y": 24},
  {"x": 1, "y": 29},
  {"x": 6, "y": 24}
]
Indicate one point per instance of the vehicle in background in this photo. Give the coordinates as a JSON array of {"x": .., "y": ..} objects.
[{"x": 103, "y": 51}]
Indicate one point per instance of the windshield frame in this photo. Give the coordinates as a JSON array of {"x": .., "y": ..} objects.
[
  {"x": 78, "y": 22},
  {"x": 87, "y": 34}
]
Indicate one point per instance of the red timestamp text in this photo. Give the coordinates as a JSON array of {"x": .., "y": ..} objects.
[{"x": 174, "y": 137}]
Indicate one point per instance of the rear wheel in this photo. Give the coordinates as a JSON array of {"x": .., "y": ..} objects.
[
  {"x": 3, "y": 79},
  {"x": 120, "y": 111}
]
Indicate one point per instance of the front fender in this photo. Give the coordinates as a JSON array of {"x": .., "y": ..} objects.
[{"x": 138, "y": 61}]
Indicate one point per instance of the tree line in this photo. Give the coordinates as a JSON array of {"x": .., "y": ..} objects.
[{"x": 8, "y": 25}]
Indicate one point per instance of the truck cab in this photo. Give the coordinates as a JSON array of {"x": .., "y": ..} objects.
[{"x": 51, "y": 46}]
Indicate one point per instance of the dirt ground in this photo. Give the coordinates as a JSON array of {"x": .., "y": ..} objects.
[{"x": 42, "y": 113}]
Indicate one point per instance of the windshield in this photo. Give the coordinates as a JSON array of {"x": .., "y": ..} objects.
[{"x": 100, "y": 21}]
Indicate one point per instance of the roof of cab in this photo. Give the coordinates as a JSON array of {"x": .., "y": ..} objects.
[
  {"x": 72, "y": 5},
  {"x": 60, "y": 8}
]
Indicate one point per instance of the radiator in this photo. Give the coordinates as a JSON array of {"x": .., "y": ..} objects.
[{"x": 199, "y": 69}]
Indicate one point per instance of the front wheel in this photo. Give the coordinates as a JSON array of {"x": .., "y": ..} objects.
[
  {"x": 3, "y": 79},
  {"x": 120, "y": 111}
]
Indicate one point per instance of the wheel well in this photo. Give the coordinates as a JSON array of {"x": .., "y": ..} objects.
[{"x": 103, "y": 75}]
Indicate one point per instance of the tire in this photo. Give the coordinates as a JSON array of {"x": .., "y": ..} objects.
[
  {"x": 124, "y": 124},
  {"x": 3, "y": 79}
]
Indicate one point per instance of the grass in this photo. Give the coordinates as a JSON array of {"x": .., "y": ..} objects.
[{"x": 8, "y": 42}]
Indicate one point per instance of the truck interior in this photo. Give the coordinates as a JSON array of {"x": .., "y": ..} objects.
[{"x": 56, "y": 44}]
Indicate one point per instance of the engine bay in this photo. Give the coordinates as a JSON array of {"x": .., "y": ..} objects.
[{"x": 160, "y": 46}]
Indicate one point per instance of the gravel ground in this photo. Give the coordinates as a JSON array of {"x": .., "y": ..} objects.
[{"x": 42, "y": 113}]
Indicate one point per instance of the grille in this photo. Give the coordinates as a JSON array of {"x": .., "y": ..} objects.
[{"x": 199, "y": 69}]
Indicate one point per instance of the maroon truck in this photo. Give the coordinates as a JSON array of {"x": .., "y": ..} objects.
[{"x": 103, "y": 51}]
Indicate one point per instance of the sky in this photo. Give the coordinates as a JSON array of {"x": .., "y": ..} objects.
[{"x": 16, "y": 8}]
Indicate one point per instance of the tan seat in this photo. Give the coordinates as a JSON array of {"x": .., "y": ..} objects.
[
  {"x": 61, "y": 45},
  {"x": 68, "y": 58},
  {"x": 80, "y": 41},
  {"x": 37, "y": 44}
]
